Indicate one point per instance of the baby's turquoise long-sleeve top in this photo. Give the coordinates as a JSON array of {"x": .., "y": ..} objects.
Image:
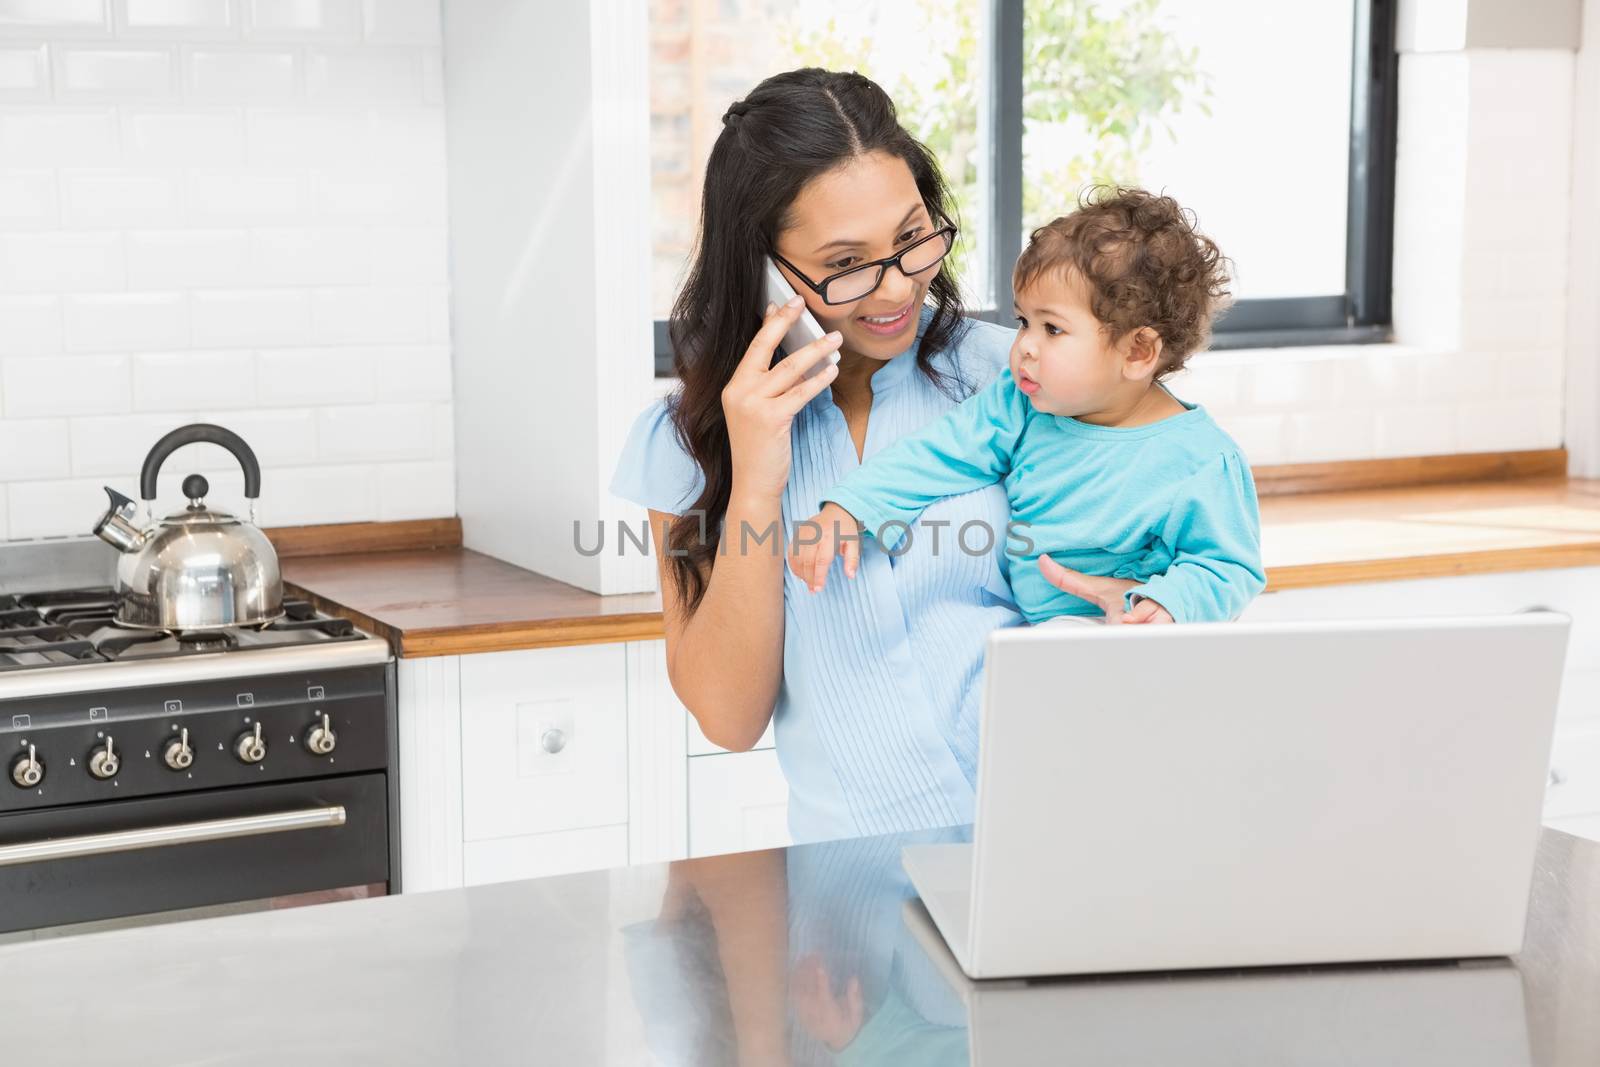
[{"x": 1170, "y": 505}]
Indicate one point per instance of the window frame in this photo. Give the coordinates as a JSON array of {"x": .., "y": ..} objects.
[{"x": 1362, "y": 314}]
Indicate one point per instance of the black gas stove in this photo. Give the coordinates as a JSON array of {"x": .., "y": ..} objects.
[
  {"x": 78, "y": 626},
  {"x": 143, "y": 771}
]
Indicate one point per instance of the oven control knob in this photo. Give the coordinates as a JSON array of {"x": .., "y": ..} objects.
[
  {"x": 27, "y": 771},
  {"x": 321, "y": 739},
  {"x": 179, "y": 756},
  {"x": 250, "y": 748},
  {"x": 104, "y": 763}
]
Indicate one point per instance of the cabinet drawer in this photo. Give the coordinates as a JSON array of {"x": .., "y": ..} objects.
[
  {"x": 738, "y": 801},
  {"x": 543, "y": 741},
  {"x": 544, "y": 855}
]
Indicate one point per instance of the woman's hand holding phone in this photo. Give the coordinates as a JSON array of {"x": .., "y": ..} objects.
[
  {"x": 805, "y": 328},
  {"x": 761, "y": 400}
]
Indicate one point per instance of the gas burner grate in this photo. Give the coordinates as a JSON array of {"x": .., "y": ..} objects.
[
  {"x": 331, "y": 627},
  {"x": 120, "y": 641},
  {"x": 12, "y": 616},
  {"x": 43, "y": 646},
  {"x": 78, "y": 625}
]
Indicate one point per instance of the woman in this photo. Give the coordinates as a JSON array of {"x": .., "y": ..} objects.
[
  {"x": 794, "y": 957},
  {"x": 872, "y": 684}
]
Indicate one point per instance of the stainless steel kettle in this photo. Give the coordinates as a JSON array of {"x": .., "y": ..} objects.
[{"x": 198, "y": 569}]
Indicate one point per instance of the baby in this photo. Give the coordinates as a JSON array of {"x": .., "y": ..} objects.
[{"x": 1106, "y": 471}]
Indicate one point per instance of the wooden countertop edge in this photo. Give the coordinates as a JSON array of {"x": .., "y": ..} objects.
[
  {"x": 647, "y": 625},
  {"x": 551, "y": 633},
  {"x": 496, "y": 637},
  {"x": 1442, "y": 565},
  {"x": 1293, "y": 479}
]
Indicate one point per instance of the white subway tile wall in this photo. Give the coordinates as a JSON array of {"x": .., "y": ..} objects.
[
  {"x": 59, "y": 136},
  {"x": 229, "y": 211},
  {"x": 94, "y": 72},
  {"x": 24, "y": 73},
  {"x": 55, "y": 18},
  {"x": 1316, "y": 405},
  {"x": 173, "y": 19},
  {"x": 28, "y": 200},
  {"x": 32, "y": 324},
  {"x": 34, "y": 448},
  {"x": 234, "y": 209}
]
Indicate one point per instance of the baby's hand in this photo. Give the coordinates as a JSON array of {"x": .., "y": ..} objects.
[
  {"x": 837, "y": 533},
  {"x": 1104, "y": 593},
  {"x": 1147, "y": 610}
]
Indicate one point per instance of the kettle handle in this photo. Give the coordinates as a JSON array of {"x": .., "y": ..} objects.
[{"x": 194, "y": 434}]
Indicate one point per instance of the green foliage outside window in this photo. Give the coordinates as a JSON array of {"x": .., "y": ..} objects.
[{"x": 1105, "y": 80}]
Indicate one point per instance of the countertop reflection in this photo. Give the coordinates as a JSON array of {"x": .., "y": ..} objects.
[{"x": 816, "y": 954}]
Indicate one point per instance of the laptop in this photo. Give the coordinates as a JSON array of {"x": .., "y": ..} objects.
[{"x": 1251, "y": 794}]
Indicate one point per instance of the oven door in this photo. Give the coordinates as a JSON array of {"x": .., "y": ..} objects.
[{"x": 167, "y": 854}]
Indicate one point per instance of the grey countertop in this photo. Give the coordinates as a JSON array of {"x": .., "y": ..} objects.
[{"x": 778, "y": 957}]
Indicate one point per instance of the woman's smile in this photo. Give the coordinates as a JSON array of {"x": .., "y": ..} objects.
[{"x": 890, "y": 324}]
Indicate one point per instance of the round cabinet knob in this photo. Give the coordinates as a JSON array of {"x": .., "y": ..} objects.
[
  {"x": 27, "y": 771},
  {"x": 178, "y": 755},
  {"x": 321, "y": 739},
  {"x": 250, "y": 748},
  {"x": 553, "y": 741},
  {"x": 103, "y": 763}
]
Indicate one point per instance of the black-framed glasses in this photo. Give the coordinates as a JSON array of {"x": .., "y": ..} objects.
[{"x": 853, "y": 284}]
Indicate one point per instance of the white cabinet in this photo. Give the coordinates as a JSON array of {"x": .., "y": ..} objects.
[
  {"x": 544, "y": 741},
  {"x": 544, "y": 762},
  {"x": 513, "y": 765},
  {"x": 532, "y": 763},
  {"x": 524, "y": 764},
  {"x": 733, "y": 801},
  {"x": 658, "y": 791},
  {"x": 738, "y": 801}
]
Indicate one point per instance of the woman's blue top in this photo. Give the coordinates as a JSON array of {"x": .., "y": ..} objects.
[{"x": 877, "y": 716}]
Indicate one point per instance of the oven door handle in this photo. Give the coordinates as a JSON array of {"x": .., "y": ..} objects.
[{"x": 188, "y": 833}]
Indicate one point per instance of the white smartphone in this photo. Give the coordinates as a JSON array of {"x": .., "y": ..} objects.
[{"x": 805, "y": 329}]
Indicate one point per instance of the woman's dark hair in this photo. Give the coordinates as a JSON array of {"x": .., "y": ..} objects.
[{"x": 790, "y": 129}]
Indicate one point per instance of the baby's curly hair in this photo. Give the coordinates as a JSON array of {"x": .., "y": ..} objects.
[{"x": 1145, "y": 264}]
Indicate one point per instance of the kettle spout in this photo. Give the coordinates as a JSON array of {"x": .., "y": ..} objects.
[{"x": 114, "y": 526}]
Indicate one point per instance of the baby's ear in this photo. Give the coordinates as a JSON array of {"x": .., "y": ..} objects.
[{"x": 1144, "y": 354}]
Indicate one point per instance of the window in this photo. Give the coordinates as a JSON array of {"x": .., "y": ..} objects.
[
  {"x": 708, "y": 53},
  {"x": 1274, "y": 122}
]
